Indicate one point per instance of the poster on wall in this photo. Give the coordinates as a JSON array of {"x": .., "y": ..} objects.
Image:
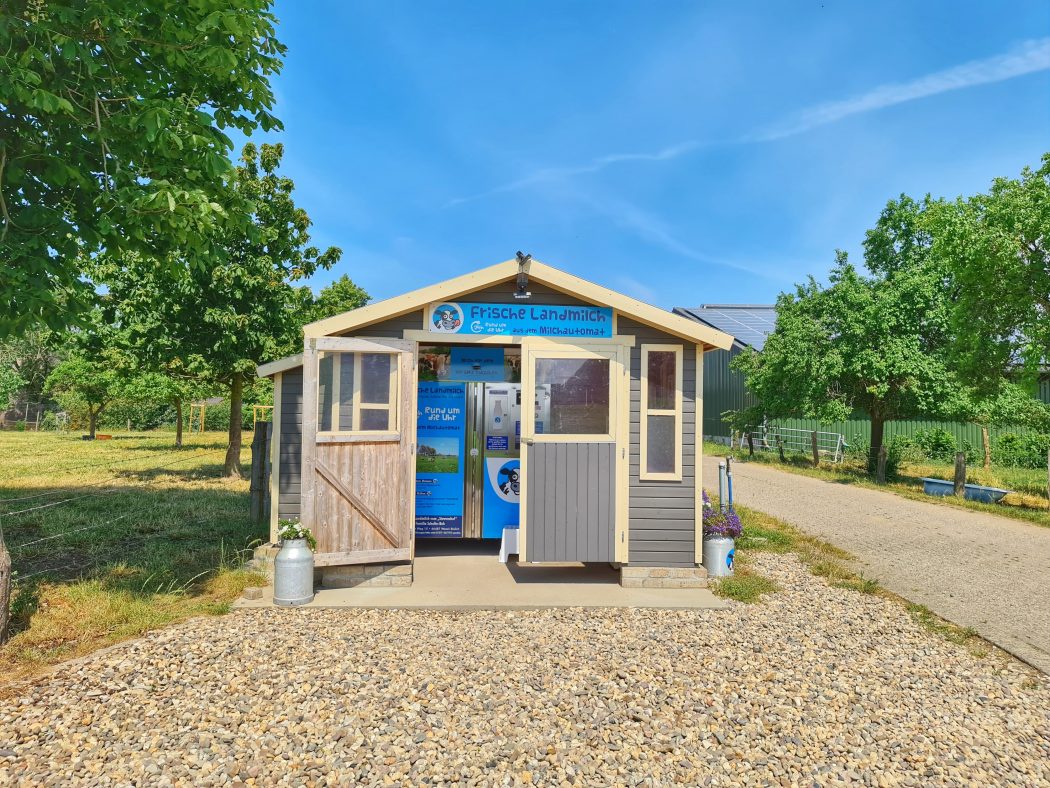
[
  {"x": 440, "y": 433},
  {"x": 500, "y": 507}
]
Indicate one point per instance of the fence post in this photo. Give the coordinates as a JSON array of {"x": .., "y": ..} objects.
[
  {"x": 258, "y": 483},
  {"x": 751, "y": 444},
  {"x": 960, "y": 473},
  {"x": 880, "y": 465},
  {"x": 5, "y": 587},
  {"x": 780, "y": 447},
  {"x": 816, "y": 451}
]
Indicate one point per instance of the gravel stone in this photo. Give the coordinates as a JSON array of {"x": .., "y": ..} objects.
[{"x": 813, "y": 686}]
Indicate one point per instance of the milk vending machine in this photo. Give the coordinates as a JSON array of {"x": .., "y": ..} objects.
[{"x": 493, "y": 464}]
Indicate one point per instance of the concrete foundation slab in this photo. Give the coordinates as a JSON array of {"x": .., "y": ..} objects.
[{"x": 468, "y": 576}]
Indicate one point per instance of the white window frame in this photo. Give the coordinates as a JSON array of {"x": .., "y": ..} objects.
[
  {"x": 644, "y": 474},
  {"x": 393, "y": 430},
  {"x": 556, "y": 352}
]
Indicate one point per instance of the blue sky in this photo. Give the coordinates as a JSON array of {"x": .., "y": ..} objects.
[{"x": 681, "y": 152}]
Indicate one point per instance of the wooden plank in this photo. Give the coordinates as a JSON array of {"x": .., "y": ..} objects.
[
  {"x": 359, "y": 437},
  {"x": 307, "y": 501},
  {"x": 364, "y": 344},
  {"x": 329, "y": 476},
  {"x": 348, "y": 557}
]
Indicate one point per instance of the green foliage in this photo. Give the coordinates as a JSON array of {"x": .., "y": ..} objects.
[
  {"x": 1021, "y": 451},
  {"x": 995, "y": 245},
  {"x": 10, "y": 384},
  {"x": 50, "y": 422},
  {"x": 936, "y": 443},
  {"x": 216, "y": 319},
  {"x": 25, "y": 362},
  {"x": 112, "y": 135},
  {"x": 874, "y": 343},
  {"x": 84, "y": 385},
  {"x": 340, "y": 296},
  {"x": 744, "y": 586}
]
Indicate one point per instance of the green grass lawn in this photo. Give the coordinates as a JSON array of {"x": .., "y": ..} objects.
[
  {"x": 441, "y": 463},
  {"x": 112, "y": 538},
  {"x": 1028, "y": 501}
]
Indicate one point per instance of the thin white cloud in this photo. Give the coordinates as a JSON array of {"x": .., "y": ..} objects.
[{"x": 1027, "y": 58}]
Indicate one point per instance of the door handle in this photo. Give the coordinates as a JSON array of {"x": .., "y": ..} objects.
[{"x": 529, "y": 441}]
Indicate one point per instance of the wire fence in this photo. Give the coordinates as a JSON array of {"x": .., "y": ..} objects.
[{"x": 831, "y": 446}]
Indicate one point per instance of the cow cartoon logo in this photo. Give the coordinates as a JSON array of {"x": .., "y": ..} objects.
[
  {"x": 505, "y": 479},
  {"x": 447, "y": 319}
]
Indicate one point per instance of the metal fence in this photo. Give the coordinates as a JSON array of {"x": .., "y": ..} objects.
[{"x": 831, "y": 446}]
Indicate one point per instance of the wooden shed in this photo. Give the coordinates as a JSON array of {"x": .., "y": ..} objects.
[{"x": 516, "y": 402}]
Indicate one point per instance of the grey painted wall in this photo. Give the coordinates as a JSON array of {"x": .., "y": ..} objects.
[
  {"x": 571, "y": 502},
  {"x": 291, "y": 446},
  {"x": 661, "y": 518}
]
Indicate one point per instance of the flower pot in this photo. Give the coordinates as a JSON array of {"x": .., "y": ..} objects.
[
  {"x": 293, "y": 573},
  {"x": 718, "y": 555}
]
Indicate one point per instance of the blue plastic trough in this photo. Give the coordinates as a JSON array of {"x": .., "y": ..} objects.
[{"x": 972, "y": 492}]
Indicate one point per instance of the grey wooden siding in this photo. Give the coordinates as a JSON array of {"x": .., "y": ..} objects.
[
  {"x": 571, "y": 502},
  {"x": 661, "y": 515},
  {"x": 290, "y": 466}
]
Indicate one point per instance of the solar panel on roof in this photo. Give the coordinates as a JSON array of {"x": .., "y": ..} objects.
[{"x": 749, "y": 324}]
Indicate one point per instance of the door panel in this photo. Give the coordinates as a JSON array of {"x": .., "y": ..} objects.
[
  {"x": 359, "y": 473},
  {"x": 574, "y": 431}
]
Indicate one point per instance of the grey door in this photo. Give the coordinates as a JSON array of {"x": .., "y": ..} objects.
[{"x": 571, "y": 429}]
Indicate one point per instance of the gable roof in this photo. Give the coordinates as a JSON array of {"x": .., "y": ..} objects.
[
  {"x": 749, "y": 324},
  {"x": 450, "y": 289}
]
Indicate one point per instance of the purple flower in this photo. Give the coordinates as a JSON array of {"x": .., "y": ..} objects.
[{"x": 718, "y": 523}]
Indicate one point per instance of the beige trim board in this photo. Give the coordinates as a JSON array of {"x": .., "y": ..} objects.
[
  {"x": 280, "y": 365},
  {"x": 275, "y": 457},
  {"x": 698, "y": 468},
  {"x": 644, "y": 412},
  {"x": 559, "y": 280}
]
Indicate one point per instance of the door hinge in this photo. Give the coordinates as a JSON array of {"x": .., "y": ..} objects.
[{"x": 621, "y": 535}]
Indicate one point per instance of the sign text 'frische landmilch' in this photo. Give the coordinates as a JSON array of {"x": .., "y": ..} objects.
[{"x": 538, "y": 320}]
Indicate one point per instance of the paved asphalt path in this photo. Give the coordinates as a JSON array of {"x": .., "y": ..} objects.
[{"x": 974, "y": 569}]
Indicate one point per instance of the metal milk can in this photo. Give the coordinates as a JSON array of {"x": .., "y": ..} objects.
[
  {"x": 293, "y": 573},
  {"x": 718, "y": 555}
]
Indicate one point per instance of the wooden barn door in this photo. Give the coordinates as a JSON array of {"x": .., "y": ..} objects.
[{"x": 359, "y": 432}]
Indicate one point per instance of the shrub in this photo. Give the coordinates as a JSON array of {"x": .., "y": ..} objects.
[
  {"x": 50, "y": 422},
  {"x": 936, "y": 443},
  {"x": 1021, "y": 451}
]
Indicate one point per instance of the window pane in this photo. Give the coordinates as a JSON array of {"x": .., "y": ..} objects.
[
  {"x": 375, "y": 419},
  {"x": 661, "y": 374},
  {"x": 375, "y": 378},
  {"x": 324, "y": 392},
  {"x": 346, "y": 392},
  {"x": 660, "y": 444},
  {"x": 572, "y": 396}
]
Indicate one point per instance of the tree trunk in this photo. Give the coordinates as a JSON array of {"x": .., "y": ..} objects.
[
  {"x": 878, "y": 428},
  {"x": 232, "y": 469},
  {"x": 92, "y": 421},
  {"x": 987, "y": 447},
  {"x": 5, "y": 587},
  {"x": 178, "y": 423}
]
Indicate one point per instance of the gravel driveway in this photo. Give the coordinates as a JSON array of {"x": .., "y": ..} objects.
[
  {"x": 977, "y": 570},
  {"x": 814, "y": 685}
]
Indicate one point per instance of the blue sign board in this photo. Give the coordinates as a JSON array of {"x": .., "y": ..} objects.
[
  {"x": 497, "y": 443},
  {"x": 500, "y": 503},
  {"x": 540, "y": 320},
  {"x": 477, "y": 363},
  {"x": 440, "y": 433}
]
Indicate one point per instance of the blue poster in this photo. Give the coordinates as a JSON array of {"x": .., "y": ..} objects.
[
  {"x": 538, "y": 320},
  {"x": 440, "y": 433},
  {"x": 477, "y": 363},
  {"x": 500, "y": 502}
]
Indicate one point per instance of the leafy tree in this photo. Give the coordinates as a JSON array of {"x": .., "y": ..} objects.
[
  {"x": 340, "y": 296},
  {"x": 1010, "y": 405},
  {"x": 997, "y": 246},
  {"x": 216, "y": 319},
  {"x": 869, "y": 343},
  {"x": 85, "y": 385},
  {"x": 112, "y": 122},
  {"x": 29, "y": 359}
]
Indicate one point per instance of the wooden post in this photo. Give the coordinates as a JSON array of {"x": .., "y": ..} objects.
[
  {"x": 5, "y": 587},
  {"x": 816, "y": 451},
  {"x": 257, "y": 489},
  {"x": 780, "y": 448},
  {"x": 880, "y": 465},
  {"x": 750, "y": 445},
  {"x": 960, "y": 474},
  {"x": 986, "y": 444}
]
